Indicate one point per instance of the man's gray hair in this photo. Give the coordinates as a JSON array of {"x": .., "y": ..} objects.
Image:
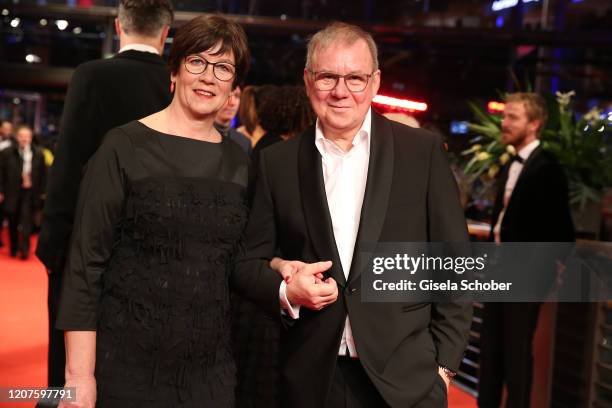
[
  {"x": 342, "y": 33},
  {"x": 145, "y": 17}
]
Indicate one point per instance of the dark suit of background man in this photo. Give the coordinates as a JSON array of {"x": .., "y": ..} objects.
[
  {"x": 6, "y": 140},
  {"x": 102, "y": 94},
  {"x": 22, "y": 185},
  {"x": 531, "y": 206},
  {"x": 313, "y": 204}
]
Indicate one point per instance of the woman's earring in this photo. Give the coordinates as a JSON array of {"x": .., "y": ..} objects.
[{"x": 172, "y": 87}]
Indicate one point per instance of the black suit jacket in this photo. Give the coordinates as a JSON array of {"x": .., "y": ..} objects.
[
  {"x": 538, "y": 210},
  {"x": 103, "y": 94},
  {"x": 410, "y": 196},
  {"x": 11, "y": 167}
]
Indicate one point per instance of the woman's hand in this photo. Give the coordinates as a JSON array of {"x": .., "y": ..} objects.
[
  {"x": 445, "y": 378},
  {"x": 80, "y": 368},
  {"x": 286, "y": 268},
  {"x": 85, "y": 392}
]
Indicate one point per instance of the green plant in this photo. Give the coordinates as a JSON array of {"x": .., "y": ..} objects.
[
  {"x": 487, "y": 154},
  {"x": 582, "y": 149}
]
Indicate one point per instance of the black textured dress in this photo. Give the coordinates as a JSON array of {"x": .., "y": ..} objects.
[{"x": 158, "y": 224}]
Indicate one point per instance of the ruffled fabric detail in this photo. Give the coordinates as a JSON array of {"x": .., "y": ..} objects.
[{"x": 165, "y": 308}]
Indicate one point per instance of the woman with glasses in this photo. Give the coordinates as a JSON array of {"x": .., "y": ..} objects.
[{"x": 145, "y": 303}]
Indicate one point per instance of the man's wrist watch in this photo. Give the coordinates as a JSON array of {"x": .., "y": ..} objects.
[{"x": 450, "y": 374}]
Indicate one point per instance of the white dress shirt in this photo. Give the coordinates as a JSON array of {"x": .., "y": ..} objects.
[
  {"x": 26, "y": 169},
  {"x": 513, "y": 174},
  {"x": 345, "y": 175},
  {"x": 4, "y": 144},
  {"x": 26, "y": 155},
  {"x": 140, "y": 47}
]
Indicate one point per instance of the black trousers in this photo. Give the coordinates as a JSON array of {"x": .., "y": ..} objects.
[
  {"x": 1, "y": 223},
  {"x": 352, "y": 388},
  {"x": 57, "y": 349},
  {"x": 24, "y": 216},
  {"x": 506, "y": 353}
]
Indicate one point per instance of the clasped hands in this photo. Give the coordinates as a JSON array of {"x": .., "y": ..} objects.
[{"x": 306, "y": 285}]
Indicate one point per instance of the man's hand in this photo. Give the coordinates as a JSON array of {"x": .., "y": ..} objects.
[{"x": 307, "y": 289}]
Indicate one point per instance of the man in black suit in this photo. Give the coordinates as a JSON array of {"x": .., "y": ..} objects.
[
  {"x": 6, "y": 140},
  {"x": 353, "y": 178},
  {"x": 102, "y": 94},
  {"x": 22, "y": 184},
  {"x": 531, "y": 206}
]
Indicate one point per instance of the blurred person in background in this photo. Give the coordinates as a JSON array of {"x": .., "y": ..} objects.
[
  {"x": 42, "y": 144},
  {"x": 145, "y": 300},
  {"x": 6, "y": 134},
  {"x": 102, "y": 94},
  {"x": 22, "y": 183},
  {"x": 404, "y": 118},
  {"x": 285, "y": 112},
  {"x": 247, "y": 113},
  {"x": 531, "y": 205},
  {"x": 6, "y": 140},
  {"x": 224, "y": 118}
]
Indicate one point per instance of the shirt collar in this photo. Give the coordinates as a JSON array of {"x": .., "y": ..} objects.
[
  {"x": 139, "y": 47},
  {"x": 324, "y": 145},
  {"x": 25, "y": 151},
  {"x": 526, "y": 151}
]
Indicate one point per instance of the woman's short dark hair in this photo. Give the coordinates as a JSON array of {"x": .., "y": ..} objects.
[{"x": 204, "y": 32}]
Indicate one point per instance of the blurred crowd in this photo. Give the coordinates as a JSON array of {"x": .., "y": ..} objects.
[{"x": 24, "y": 166}]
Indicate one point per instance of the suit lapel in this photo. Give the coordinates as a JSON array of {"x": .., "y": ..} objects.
[
  {"x": 378, "y": 188},
  {"x": 498, "y": 205},
  {"x": 19, "y": 159},
  {"x": 527, "y": 166},
  {"x": 314, "y": 204},
  {"x": 499, "y": 202}
]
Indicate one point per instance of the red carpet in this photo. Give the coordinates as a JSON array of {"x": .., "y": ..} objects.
[{"x": 23, "y": 325}]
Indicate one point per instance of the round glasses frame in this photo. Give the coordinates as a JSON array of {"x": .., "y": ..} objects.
[
  {"x": 217, "y": 68},
  {"x": 318, "y": 85}
]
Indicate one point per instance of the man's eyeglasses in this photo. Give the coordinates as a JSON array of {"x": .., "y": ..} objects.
[
  {"x": 326, "y": 81},
  {"x": 223, "y": 71}
]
